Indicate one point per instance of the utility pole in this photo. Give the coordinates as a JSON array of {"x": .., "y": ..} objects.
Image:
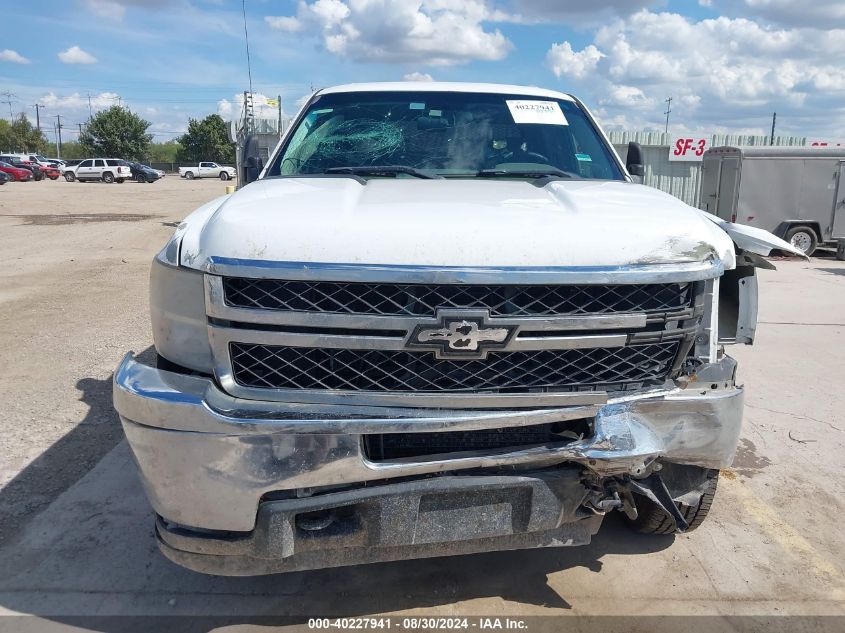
[
  {"x": 80, "y": 130},
  {"x": 668, "y": 110},
  {"x": 279, "y": 99},
  {"x": 59, "y": 136},
  {"x": 774, "y": 119},
  {"x": 90, "y": 114},
  {"x": 37, "y": 107},
  {"x": 9, "y": 100}
]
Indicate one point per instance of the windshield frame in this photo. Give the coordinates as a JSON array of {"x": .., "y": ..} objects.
[{"x": 273, "y": 163}]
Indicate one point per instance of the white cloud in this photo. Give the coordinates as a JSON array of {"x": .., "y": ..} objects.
[
  {"x": 628, "y": 97},
  {"x": 418, "y": 76},
  {"x": 234, "y": 108},
  {"x": 819, "y": 13},
  {"x": 15, "y": 57},
  {"x": 722, "y": 71},
  {"x": 79, "y": 102},
  {"x": 224, "y": 109},
  {"x": 427, "y": 32},
  {"x": 563, "y": 61},
  {"x": 75, "y": 55},
  {"x": 116, "y": 9},
  {"x": 578, "y": 12},
  {"x": 288, "y": 24}
]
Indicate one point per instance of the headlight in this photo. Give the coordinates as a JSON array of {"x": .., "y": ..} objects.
[
  {"x": 169, "y": 255},
  {"x": 177, "y": 311}
]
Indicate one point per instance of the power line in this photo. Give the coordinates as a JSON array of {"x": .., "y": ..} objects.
[
  {"x": 37, "y": 107},
  {"x": 59, "y": 136},
  {"x": 9, "y": 100}
]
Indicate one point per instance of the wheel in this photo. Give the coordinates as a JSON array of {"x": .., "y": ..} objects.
[
  {"x": 120, "y": 181},
  {"x": 69, "y": 176},
  {"x": 651, "y": 519},
  {"x": 140, "y": 178},
  {"x": 224, "y": 176},
  {"x": 189, "y": 175},
  {"x": 54, "y": 177},
  {"x": 803, "y": 238},
  {"x": 108, "y": 177}
]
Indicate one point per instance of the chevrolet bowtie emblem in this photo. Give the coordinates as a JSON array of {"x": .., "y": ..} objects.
[{"x": 461, "y": 336}]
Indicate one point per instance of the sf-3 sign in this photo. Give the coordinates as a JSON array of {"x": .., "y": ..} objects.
[{"x": 688, "y": 148}]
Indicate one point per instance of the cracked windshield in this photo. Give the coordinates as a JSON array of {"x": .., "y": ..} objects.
[{"x": 439, "y": 134}]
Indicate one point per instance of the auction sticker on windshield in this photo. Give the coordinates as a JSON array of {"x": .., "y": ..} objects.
[{"x": 547, "y": 112}]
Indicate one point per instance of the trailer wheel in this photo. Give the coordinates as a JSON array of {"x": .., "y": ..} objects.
[
  {"x": 652, "y": 519},
  {"x": 803, "y": 238}
]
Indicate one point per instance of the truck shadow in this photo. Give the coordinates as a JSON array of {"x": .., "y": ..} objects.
[
  {"x": 97, "y": 540},
  {"x": 67, "y": 460}
]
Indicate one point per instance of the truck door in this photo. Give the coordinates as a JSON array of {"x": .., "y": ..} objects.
[
  {"x": 728, "y": 181},
  {"x": 839, "y": 205}
]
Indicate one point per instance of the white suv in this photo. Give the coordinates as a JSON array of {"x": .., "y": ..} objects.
[{"x": 105, "y": 169}]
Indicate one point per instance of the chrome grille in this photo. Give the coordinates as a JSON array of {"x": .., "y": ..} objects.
[
  {"x": 283, "y": 367},
  {"x": 424, "y": 299}
]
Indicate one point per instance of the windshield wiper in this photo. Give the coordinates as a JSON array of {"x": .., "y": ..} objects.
[
  {"x": 382, "y": 170},
  {"x": 526, "y": 173}
]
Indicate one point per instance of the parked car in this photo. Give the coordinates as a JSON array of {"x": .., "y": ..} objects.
[
  {"x": 4, "y": 178},
  {"x": 442, "y": 320},
  {"x": 105, "y": 169},
  {"x": 16, "y": 161},
  {"x": 51, "y": 171},
  {"x": 143, "y": 173},
  {"x": 207, "y": 170},
  {"x": 15, "y": 173}
]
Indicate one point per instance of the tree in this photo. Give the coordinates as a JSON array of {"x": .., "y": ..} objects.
[
  {"x": 163, "y": 152},
  {"x": 21, "y": 136},
  {"x": 116, "y": 132},
  {"x": 206, "y": 140}
]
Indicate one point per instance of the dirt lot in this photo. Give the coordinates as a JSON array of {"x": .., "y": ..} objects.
[{"x": 76, "y": 531}]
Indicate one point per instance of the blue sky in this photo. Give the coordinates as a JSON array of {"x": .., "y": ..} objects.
[{"x": 727, "y": 63}]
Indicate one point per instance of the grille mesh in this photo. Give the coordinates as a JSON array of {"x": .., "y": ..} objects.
[
  {"x": 386, "y": 446},
  {"x": 423, "y": 300},
  {"x": 279, "y": 367}
]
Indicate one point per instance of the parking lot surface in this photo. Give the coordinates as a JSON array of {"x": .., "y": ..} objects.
[{"x": 76, "y": 532}]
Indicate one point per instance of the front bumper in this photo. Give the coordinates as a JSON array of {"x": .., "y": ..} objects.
[{"x": 208, "y": 459}]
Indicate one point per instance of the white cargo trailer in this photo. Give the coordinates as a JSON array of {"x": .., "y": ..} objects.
[{"x": 797, "y": 193}]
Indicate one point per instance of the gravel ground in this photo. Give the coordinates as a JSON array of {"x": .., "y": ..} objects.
[{"x": 75, "y": 529}]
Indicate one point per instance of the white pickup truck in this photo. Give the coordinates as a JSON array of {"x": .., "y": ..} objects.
[
  {"x": 442, "y": 320},
  {"x": 207, "y": 170}
]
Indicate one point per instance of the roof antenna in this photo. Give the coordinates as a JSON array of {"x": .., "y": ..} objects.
[{"x": 246, "y": 37}]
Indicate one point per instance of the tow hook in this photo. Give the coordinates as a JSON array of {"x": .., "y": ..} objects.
[{"x": 653, "y": 488}]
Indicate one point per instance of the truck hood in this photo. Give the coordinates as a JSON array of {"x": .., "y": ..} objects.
[{"x": 452, "y": 222}]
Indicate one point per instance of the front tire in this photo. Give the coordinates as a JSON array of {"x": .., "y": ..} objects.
[
  {"x": 803, "y": 238},
  {"x": 120, "y": 181},
  {"x": 108, "y": 177},
  {"x": 189, "y": 175},
  {"x": 69, "y": 176},
  {"x": 652, "y": 519},
  {"x": 224, "y": 176}
]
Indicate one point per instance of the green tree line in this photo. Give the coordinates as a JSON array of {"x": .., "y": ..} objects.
[{"x": 118, "y": 132}]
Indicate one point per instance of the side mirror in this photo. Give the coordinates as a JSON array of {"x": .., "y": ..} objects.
[
  {"x": 253, "y": 164},
  {"x": 634, "y": 162}
]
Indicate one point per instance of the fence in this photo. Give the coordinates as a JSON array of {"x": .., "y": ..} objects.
[{"x": 683, "y": 179}]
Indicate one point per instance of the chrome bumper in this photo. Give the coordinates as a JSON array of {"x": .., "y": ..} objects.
[{"x": 207, "y": 458}]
